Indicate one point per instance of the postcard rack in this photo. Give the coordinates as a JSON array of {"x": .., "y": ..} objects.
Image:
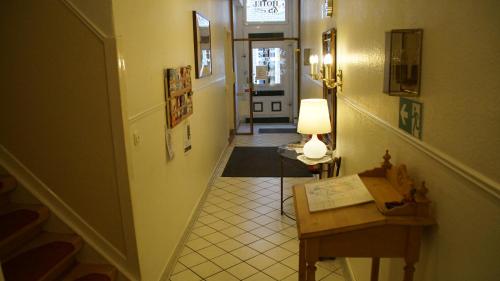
[{"x": 178, "y": 94}]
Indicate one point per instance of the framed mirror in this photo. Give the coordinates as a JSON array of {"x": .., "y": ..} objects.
[
  {"x": 202, "y": 46},
  {"x": 403, "y": 62},
  {"x": 329, "y": 46}
]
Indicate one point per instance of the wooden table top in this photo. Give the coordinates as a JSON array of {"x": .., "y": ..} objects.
[{"x": 351, "y": 218}]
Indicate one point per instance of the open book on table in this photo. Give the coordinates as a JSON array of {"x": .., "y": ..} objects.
[{"x": 336, "y": 192}]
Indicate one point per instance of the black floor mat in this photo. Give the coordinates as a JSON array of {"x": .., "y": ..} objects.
[
  {"x": 262, "y": 162},
  {"x": 277, "y": 130}
]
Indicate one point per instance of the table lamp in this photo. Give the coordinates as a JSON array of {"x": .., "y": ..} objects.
[{"x": 314, "y": 119}]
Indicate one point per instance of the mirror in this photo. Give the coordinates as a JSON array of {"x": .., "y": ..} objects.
[
  {"x": 202, "y": 48},
  {"x": 403, "y": 62},
  {"x": 329, "y": 46}
]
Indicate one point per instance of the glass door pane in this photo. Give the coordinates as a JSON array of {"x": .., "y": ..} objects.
[{"x": 273, "y": 75}]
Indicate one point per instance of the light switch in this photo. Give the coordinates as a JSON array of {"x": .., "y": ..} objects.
[{"x": 137, "y": 138}]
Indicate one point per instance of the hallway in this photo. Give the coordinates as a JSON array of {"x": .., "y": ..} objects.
[{"x": 240, "y": 233}]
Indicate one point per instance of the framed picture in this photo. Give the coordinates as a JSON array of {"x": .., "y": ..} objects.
[
  {"x": 202, "y": 46},
  {"x": 403, "y": 62}
]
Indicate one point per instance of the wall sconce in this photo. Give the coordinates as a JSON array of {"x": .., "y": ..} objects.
[{"x": 325, "y": 73}]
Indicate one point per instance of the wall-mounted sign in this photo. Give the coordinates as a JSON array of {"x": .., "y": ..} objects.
[
  {"x": 410, "y": 117},
  {"x": 266, "y": 10}
]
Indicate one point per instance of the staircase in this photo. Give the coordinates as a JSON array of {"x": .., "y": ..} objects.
[{"x": 27, "y": 253}]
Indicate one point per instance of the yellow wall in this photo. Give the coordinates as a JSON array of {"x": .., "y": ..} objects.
[
  {"x": 458, "y": 155},
  {"x": 152, "y": 36},
  {"x": 55, "y": 116}
]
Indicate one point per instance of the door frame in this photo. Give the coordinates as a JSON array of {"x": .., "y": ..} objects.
[{"x": 250, "y": 40}]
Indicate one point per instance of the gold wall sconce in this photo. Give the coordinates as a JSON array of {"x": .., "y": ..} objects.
[{"x": 325, "y": 74}]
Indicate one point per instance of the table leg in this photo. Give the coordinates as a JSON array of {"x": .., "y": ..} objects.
[
  {"x": 302, "y": 260},
  {"x": 324, "y": 170},
  {"x": 312, "y": 256},
  {"x": 281, "y": 186},
  {"x": 375, "y": 269},
  {"x": 409, "y": 270},
  {"x": 412, "y": 251}
]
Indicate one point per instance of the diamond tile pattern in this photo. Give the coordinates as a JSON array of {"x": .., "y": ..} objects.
[{"x": 240, "y": 233}]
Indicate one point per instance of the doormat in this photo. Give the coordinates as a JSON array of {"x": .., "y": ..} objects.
[
  {"x": 277, "y": 130},
  {"x": 263, "y": 161}
]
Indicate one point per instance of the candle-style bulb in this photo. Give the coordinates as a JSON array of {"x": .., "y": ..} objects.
[
  {"x": 313, "y": 59},
  {"x": 328, "y": 59}
]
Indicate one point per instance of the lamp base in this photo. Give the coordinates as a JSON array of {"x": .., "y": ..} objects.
[{"x": 314, "y": 148}]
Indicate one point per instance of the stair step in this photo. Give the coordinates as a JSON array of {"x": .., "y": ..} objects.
[
  {"x": 43, "y": 259},
  {"x": 19, "y": 224},
  {"x": 91, "y": 272},
  {"x": 7, "y": 184}
]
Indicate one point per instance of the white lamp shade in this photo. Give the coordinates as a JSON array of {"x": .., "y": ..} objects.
[{"x": 314, "y": 117}]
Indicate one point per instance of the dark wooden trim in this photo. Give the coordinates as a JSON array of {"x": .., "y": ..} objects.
[
  {"x": 250, "y": 77},
  {"x": 231, "y": 19},
  {"x": 232, "y": 132},
  {"x": 266, "y": 39},
  {"x": 332, "y": 33},
  {"x": 195, "y": 41},
  {"x": 299, "y": 46},
  {"x": 266, "y": 35},
  {"x": 268, "y": 93}
]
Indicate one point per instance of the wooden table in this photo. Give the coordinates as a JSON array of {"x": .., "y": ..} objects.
[{"x": 367, "y": 230}]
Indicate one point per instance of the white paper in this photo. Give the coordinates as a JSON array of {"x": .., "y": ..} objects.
[
  {"x": 336, "y": 193},
  {"x": 260, "y": 72}
]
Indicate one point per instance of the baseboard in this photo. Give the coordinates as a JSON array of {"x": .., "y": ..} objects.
[
  {"x": 348, "y": 273},
  {"x": 194, "y": 216},
  {"x": 64, "y": 212},
  {"x": 232, "y": 133}
]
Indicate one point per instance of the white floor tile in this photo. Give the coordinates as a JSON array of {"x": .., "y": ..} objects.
[
  {"x": 278, "y": 253},
  {"x": 186, "y": 275},
  {"x": 206, "y": 269},
  {"x": 278, "y": 271},
  {"x": 261, "y": 245},
  {"x": 222, "y": 276},
  {"x": 261, "y": 262},
  {"x": 192, "y": 259},
  {"x": 242, "y": 270},
  {"x": 211, "y": 252},
  {"x": 240, "y": 233},
  {"x": 245, "y": 253},
  {"x": 260, "y": 277},
  {"x": 226, "y": 261}
]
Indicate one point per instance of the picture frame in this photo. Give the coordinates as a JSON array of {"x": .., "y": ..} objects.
[
  {"x": 403, "y": 62},
  {"x": 329, "y": 46},
  {"x": 202, "y": 46}
]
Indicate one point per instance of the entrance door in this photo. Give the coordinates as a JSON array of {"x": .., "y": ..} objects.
[
  {"x": 266, "y": 82},
  {"x": 273, "y": 76}
]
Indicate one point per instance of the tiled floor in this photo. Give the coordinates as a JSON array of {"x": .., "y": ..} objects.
[{"x": 240, "y": 233}]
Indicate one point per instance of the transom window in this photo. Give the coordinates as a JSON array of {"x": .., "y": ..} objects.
[{"x": 266, "y": 11}]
